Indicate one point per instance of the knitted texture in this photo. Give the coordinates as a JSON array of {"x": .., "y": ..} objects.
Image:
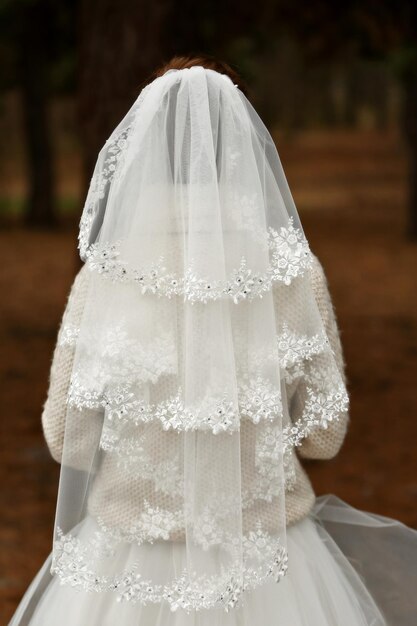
[
  {"x": 127, "y": 493},
  {"x": 55, "y": 408}
]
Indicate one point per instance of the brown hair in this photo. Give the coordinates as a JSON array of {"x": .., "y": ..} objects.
[{"x": 206, "y": 61}]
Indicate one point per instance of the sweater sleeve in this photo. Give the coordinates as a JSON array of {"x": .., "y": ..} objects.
[
  {"x": 54, "y": 411},
  {"x": 323, "y": 444}
]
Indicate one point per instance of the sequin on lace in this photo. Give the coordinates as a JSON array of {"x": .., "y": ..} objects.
[
  {"x": 289, "y": 253},
  {"x": 258, "y": 400},
  {"x": 265, "y": 559}
]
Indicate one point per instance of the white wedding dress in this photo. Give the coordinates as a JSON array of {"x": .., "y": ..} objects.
[{"x": 348, "y": 568}]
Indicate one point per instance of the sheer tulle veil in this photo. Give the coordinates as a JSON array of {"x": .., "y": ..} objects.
[{"x": 185, "y": 352}]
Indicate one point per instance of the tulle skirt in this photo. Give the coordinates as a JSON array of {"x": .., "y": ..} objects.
[{"x": 346, "y": 568}]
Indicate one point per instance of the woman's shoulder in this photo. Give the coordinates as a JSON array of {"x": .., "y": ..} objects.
[
  {"x": 318, "y": 278},
  {"x": 78, "y": 290}
]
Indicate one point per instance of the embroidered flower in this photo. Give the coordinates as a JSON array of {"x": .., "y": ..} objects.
[
  {"x": 152, "y": 279},
  {"x": 119, "y": 402},
  {"x": 158, "y": 524},
  {"x": 293, "y": 348},
  {"x": 241, "y": 284},
  {"x": 259, "y": 400},
  {"x": 291, "y": 255}
]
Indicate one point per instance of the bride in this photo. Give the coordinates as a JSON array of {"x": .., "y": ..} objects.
[{"x": 197, "y": 364}]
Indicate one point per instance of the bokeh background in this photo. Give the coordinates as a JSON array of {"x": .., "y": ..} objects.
[{"x": 337, "y": 85}]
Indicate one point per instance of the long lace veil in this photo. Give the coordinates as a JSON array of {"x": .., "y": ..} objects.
[{"x": 178, "y": 425}]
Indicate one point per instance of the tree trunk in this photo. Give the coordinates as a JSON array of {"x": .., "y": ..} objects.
[
  {"x": 121, "y": 44},
  {"x": 34, "y": 89},
  {"x": 410, "y": 132}
]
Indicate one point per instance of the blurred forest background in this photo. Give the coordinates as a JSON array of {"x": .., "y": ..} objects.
[{"x": 337, "y": 85}]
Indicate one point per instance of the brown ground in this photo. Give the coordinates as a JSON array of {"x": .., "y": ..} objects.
[{"x": 350, "y": 192}]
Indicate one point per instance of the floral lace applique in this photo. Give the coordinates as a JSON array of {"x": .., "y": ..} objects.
[
  {"x": 121, "y": 403},
  {"x": 100, "y": 183},
  {"x": 167, "y": 475},
  {"x": 320, "y": 409},
  {"x": 258, "y": 400},
  {"x": 293, "y": 352},
  {"x": 290, "y": 257},
  {"x": 112, "y": 357},
  {"x": 246, "y": 214},
  {"x": 153, "y": 524},
  {"x": 267, "y": 461},
  {"x": 268, "y": 560},
  {"x": 293, "y": 348},
  {"x": 290, "y": 252},
  {"x": 132, "y": 457}
]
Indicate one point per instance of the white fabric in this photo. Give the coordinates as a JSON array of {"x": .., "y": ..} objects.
[
  {"x": 198, "y": 263},
  {"x": 382, "y": 550},
  {"x": 325, "y": 585}
]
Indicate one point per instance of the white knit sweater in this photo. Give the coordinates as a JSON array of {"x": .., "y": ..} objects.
[{"x": 321, "y": 444}]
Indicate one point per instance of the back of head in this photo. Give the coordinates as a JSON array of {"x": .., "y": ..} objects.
[{"x": 206, "y": 61}]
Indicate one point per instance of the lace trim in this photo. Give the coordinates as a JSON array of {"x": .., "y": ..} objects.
[
  {"x": 293, "y": 352},
  {"x": 116, "y": 150},
  {"x": 326, "y": 401},
  {"x": 294, "y": 348},
  {"x": 320, "y": 409},
  {"x": 72, "y": 563},
  {"x": 258, "y": 399},
  {"x": 290, "y": 257}
]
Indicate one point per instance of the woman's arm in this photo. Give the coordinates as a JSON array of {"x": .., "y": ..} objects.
[
  {"x": 323, "y": 444},
  {"x": 55, "y": 408}
]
